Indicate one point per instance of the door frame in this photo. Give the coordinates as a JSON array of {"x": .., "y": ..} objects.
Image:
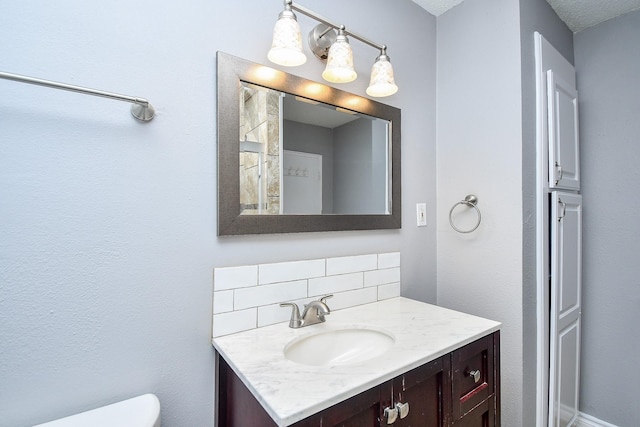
[{"x": 542, "y": 233}]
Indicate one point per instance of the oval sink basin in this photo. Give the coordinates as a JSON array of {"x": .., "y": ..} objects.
[{"x": 338, "y": 346}]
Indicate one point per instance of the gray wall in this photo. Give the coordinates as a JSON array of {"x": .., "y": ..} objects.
[
  {"x": 316, "y": 140},
  {"x": 479, "y": 151},
  {"x": 353, "y": 162},
  {"x": 535, "y": 15},
  {"x": 608, "y": 66},
  {"x": 380, "y": 157},
  {"x": 354, "y": 169},
  {"x": 108, "y": 232}
]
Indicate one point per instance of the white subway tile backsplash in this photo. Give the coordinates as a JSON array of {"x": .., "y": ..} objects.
[
  {"x": 269, "y": 294},
  {"x": 235, "y": 321},
  {"x": 333, "y": 284},
  {"x": 235, "y": 277},
  {"x": 222, "y": 302},
  {"x": 346, "y": 299},
  {"x": 382, "y": 277},
  {"x": 270, "y": 314},
  {"x": 391, "y": 290},
  {"x": 248, "y": 297},
  {"x": 389, "y": 260},
  {"x": 287, "y": 271},
  {"x": 351, "y": 264}
]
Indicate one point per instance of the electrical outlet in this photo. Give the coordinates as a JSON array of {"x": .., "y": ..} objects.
[{"x": 421, "y": 214}]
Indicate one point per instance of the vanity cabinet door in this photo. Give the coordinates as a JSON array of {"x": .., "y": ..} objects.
[
  {"x": 416, "y": 394},
  {"x": 362, "y": 410},
  {"x": 474, "y": 376},
  {"x": 421, "y": 389}
]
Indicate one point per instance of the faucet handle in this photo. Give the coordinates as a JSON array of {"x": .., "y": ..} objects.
[
  {"x": 324, "y": 298},
  {"x": 288, "y": 304},
  {"x": 295, "y": 321}
]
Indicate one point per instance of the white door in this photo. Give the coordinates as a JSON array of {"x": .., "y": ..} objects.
[
  {"x": 562, "y": 109},
  {"x": 556, "y": 141},
  {"x": 566, "y": 267},
  {"x": 301, "y": 183}
]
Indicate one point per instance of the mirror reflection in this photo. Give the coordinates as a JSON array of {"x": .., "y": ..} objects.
[{"x": 298, "y": 156}]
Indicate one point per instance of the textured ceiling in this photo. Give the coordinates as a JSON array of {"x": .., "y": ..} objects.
[
  {"x": 437, "y": 7},
  {"x": 577, "y": 14},
  {"x": 581, "y": 14}
]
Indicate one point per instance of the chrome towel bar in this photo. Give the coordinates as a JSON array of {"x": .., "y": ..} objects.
[{"x": 141, "y": 109}]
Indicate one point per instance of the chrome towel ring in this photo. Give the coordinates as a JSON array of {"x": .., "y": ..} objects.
[{"x": 472, "y": 202}]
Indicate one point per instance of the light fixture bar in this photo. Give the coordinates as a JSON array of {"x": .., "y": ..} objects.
[{"x": 325, "y": 21}]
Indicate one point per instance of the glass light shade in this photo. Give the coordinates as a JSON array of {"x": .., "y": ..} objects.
[
  {"x": 382, "y": 82},
  {"x": 286, "y": 48},
  {"x": 339, "y": 67}
]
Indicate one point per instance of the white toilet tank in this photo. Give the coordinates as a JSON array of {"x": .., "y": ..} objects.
[{"x": 141, "y": 411}]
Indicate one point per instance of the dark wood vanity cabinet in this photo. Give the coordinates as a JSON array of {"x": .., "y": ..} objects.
[
  {"x": 420, "y": 388},
  {"x": 458, "y": 389},
  {"x": 475, "y": 383},
  {"x": 359, "y": 411}
]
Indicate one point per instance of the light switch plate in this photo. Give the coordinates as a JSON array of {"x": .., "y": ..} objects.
[{"x": 421, "y": 214}]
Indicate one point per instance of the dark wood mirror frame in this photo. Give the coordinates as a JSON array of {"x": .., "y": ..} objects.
[{"x": 231, "y": 71}]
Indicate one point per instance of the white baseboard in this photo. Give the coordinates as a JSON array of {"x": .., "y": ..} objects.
[{"x": 585, "y": 420}]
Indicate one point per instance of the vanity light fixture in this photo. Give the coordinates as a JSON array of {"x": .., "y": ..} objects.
[
  {"x": 339, "y": 67},
  {"x": 286, "y": 48},
  {"x": 382, "y": 82},
  {"x": 329, "y": 45}
]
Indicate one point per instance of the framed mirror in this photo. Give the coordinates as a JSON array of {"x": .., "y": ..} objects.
[{"x": 298, "y": 156}]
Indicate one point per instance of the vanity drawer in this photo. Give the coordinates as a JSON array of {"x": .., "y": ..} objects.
[
  {"x": 481, "y": 416},
  {"x": 473, "y": 375}
]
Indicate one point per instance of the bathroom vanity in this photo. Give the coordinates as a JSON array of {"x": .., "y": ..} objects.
[{"x": 440, "y": 368}]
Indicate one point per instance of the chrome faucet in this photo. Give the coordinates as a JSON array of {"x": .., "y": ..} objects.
[{"x": 313, "y": 313}]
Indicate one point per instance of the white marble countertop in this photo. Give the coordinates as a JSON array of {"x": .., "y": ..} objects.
[{"x": 290, "y": 392}]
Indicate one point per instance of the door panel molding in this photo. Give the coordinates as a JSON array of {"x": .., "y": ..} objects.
[{"x": 565, "y": 311}]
